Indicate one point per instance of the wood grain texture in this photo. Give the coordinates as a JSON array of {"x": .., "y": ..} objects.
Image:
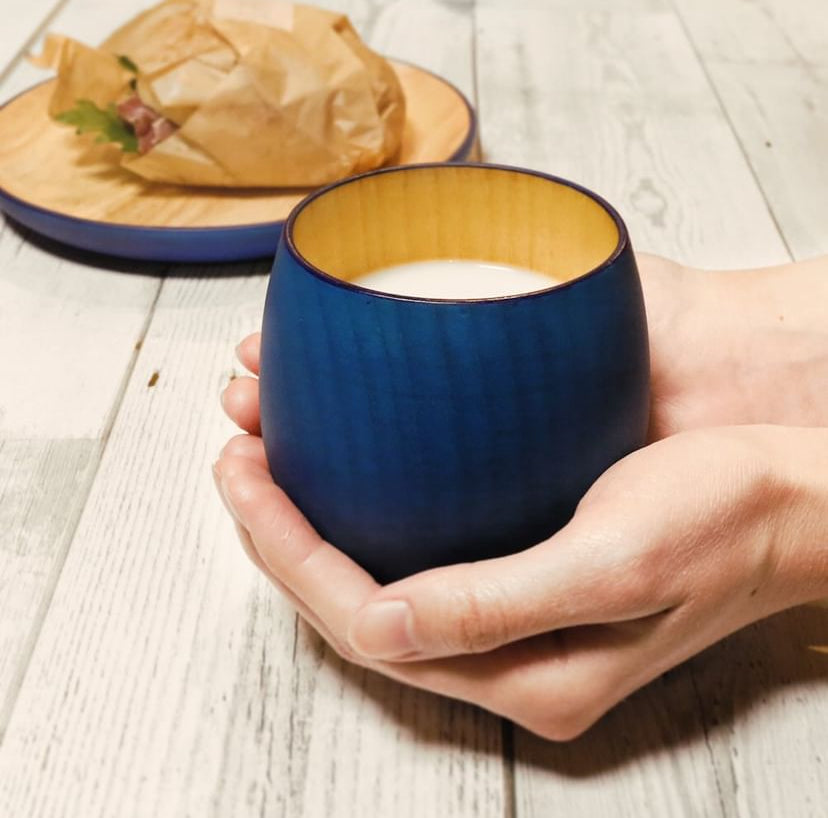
[
  {"x": 43, "y": 486},
  {"x": 21, "y": 26},
  {"x": 69, "y": 322},
  {"x": 168, "y": 679},
  {"x": 758, "y": 749},
  {"x": 768, "y": 62},
  {"x": 444, "y": 43},
  {"x": 68, "y": 332},
  {"x": 47, "y": 165},
  {"x": 87, "y": 20},
  {"x": 647, "y": 757},
  {"x": 763, "y": 693},
  {"x": 617, "y": 100},
  {"x": 69, "y": 326}
]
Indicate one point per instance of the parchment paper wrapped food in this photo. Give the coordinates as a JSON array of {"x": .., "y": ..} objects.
[{"x": 249, "y": 93}]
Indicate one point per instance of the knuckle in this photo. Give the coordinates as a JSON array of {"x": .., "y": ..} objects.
[
  {"x": 638, "y": 583},
  {"x": 639, "y": 570},
  {"x": 557, "y": 706},
  {"x": 568, "y": 719},
  {"x": 564, "y": 728},
  {"x": 482, "y": 618}
]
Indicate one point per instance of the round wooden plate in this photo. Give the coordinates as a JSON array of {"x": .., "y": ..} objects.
[{"x": 72, "y": 190}]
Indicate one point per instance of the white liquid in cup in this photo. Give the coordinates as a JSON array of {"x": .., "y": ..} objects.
[{"x": 455, "y": 279}]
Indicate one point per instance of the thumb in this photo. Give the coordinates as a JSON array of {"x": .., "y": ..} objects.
[{"x": 578, "y": 577}]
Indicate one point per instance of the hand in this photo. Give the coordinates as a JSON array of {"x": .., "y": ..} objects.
[
  {"x": 674, "y": 547},
  {"x": 736, "y": 347}
]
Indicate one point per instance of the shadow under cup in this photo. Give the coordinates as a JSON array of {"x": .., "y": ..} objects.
[{"x": 419, "y": 432}]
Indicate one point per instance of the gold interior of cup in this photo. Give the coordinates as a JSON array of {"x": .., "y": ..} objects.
[{"x": 455, "y": 212}]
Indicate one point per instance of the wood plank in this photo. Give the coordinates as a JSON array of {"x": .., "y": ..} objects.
[
  {"x": 337, "y": 741},
  {"x": 619, "y": 102},
  {"x": 69, "y": 326},
  {"x": 75, "y": 335},
  {"x": 767, "y": 67},
  {"x": 435, "y": 35},
  {"x": 773, "y": 82},
  {"x": 647, "y": 757},
  {"x": 616, "y": 100},
  {"x": 77, "y": 316},
  {"x": 86, "y": 20},
  {"x": 43, "y": 485},
  {"x": 768, "y": 61},
  {"x": 21, "y": 27},
  {"x": 80, "y": 337},
  {"x": 68, "y": 332},
  {"x": 764, "y": 32},
  {"x": 168, "y": 678},
  {"x": 759, "y": 692},
  {"x": 763, "y": 694}
]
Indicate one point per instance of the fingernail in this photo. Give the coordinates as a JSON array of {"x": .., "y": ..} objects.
[
  {"x": 383, "y": 630},
  {"x": 221, "y": 396}
]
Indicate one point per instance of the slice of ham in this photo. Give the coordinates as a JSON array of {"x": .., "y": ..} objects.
[{"x": 150, "y": 127}]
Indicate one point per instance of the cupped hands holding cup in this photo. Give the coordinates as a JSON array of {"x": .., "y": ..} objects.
[{"x": 718, "y": 521}]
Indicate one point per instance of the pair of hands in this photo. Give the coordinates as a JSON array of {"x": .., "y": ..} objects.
[{"x": 713, "y": 525}]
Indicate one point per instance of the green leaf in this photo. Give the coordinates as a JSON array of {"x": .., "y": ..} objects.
[
  {"x": 87, "y": 117},
  {"x": 127, "y": 63}
]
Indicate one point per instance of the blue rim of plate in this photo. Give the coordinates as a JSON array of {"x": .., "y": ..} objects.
[{"x": 238, "y": 242}]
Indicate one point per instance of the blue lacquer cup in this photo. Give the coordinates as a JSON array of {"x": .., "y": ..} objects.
[{"x": 419, "y": 432}]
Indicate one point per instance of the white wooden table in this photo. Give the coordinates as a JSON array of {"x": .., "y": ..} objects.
[{"x": 147, "y": 670}]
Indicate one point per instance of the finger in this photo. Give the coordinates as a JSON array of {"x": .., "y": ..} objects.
[
  {"x": 557, "y": 684},
  {"x": 560, "y": 683},
  {"x": 240, "y": 401},
  {"x": 240, "y": 530},
  {"x": 303, "y": 610},
  {"x": 554, "y": 684},
  {"x": 330, "y": 584},
  {"x": 248, "y": 446},
  {"x": 240, "y": 446},
  {"x": 585, "y": 574},
  {"x": 248, "y": 352}
]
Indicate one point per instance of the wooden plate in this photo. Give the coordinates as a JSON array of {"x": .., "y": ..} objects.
[{"x": 65, "y": 188}]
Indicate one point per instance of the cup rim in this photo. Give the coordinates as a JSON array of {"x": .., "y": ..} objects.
[{"x": 290, "y": 245}]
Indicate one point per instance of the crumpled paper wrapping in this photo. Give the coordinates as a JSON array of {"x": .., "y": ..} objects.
[{"x": 265, "y": 93}]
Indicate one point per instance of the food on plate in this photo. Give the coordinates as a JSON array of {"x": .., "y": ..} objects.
[{"x": 239, "y": 93}]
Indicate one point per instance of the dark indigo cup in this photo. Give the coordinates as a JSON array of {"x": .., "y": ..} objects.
[{"x": 419, "y": 432}]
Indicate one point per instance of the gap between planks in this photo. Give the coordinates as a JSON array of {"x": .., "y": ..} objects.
[
  {"x": 730, "y": 123},
  {"x": 24, "y": 49}
]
